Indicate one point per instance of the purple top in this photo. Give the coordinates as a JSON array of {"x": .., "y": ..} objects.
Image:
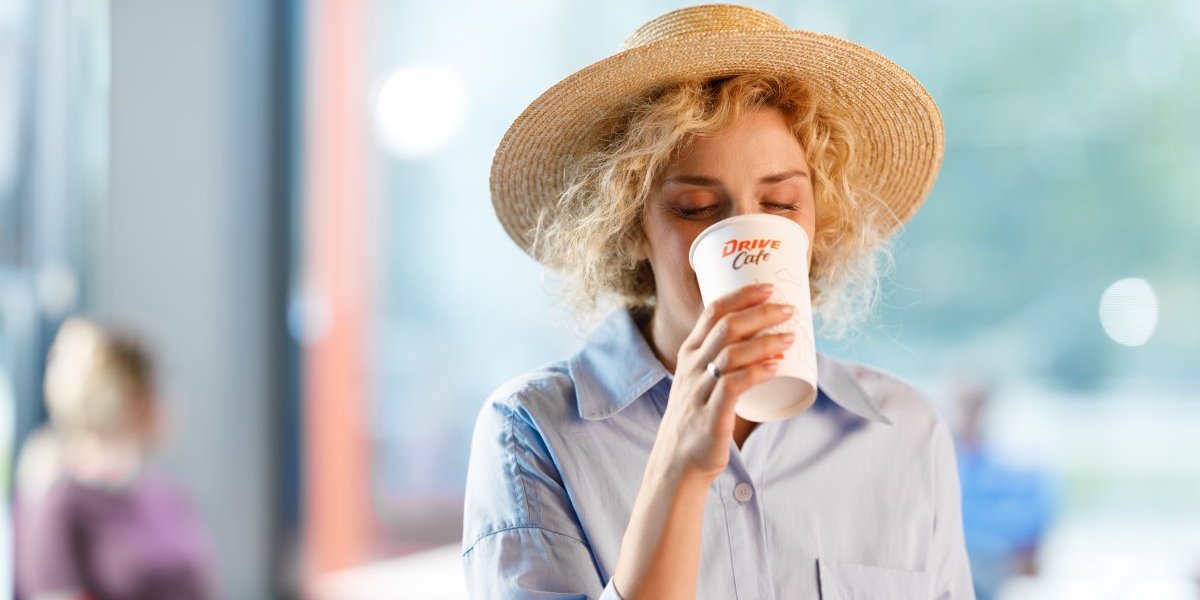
[{"x": 138, "y": 543}]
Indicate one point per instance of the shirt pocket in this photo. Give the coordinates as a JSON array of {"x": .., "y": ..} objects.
[{"x": 847, "y": 581}]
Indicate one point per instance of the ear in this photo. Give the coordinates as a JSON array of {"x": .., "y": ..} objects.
[
  {"x": 634, "y": 248},
  {"x": 639, "y": 250}
]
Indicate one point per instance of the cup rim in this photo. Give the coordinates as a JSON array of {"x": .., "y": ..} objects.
[{"x": 733, "y": 221}]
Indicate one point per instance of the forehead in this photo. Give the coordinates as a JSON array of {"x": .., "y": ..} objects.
[{"x": 758, "y": 140}]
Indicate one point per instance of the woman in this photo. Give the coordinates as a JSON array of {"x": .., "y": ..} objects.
[
  {"x": 623, "y": 471},
  {"x": 93, "y": 521}
]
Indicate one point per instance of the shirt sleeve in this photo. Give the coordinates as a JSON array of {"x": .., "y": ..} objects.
[
  {"x": 521, "y": 536},
  {"x": 952, "y": 571},
  {"x": 48, "y": 547}
]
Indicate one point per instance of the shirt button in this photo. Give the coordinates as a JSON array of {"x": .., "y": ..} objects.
[{"x": 743, "y": 492}]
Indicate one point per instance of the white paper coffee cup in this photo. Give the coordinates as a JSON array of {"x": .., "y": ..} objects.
[{"x": 762, "y": 248}]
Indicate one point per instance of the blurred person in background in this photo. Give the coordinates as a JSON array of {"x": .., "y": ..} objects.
[
  {"x": 623, "y": 471},
  {"x": 1007, "y": 508},
  {"x": 92, "y": 518}
]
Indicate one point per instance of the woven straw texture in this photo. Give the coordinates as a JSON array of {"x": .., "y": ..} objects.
[{"x": 899, "y": 128}]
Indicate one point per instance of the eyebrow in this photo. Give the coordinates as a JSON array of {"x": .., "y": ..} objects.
[{"x": 710, "y": 182}]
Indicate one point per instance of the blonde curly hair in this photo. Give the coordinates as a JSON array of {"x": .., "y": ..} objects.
[{"x": 590, "y": 235}]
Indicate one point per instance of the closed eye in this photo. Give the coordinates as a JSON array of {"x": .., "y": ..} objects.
[
  {"x": 781, "y": 207},
  {"x": 694, "y": 213}
]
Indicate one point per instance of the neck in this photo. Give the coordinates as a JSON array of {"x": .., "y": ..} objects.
[
  {"x": 105, "y": 463},
  {"x": 665, "y": 338}
]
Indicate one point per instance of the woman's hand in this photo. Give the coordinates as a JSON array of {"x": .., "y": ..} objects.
[{"x": 697, "y": 427}]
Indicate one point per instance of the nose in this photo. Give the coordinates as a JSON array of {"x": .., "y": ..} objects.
[{"x": 744, "y": 204}]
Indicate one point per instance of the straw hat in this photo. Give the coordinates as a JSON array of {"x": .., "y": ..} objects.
[{"x": 899, "y": 131}]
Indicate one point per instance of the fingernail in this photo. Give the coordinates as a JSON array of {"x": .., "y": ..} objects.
[
  {"x": 772, "y": 366},
  {"x": 766, "y": 287},
  {"x": 789, "y": 337},
  {"x": 787, "y": 309}
]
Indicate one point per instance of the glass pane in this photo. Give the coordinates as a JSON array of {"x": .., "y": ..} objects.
[{"x": 14, "y": 53}]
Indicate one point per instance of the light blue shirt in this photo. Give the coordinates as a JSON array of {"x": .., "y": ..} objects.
[{"x": 857, "y": 497}]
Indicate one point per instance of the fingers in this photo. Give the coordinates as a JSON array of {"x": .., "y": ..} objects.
[
  {"x": 741, "y": 325},
  {"x": 729, "y": 327},
  {"x": 739, "y": 299},
  {"x": 757, "y": 349},
  {"x": 733, "y": 384},
  {"x": 744, "y": 365}
]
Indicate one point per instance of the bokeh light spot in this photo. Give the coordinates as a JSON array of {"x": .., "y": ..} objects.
[
  {"x": 1129, "y": 311},
  {"x": 418, "y": 110}
]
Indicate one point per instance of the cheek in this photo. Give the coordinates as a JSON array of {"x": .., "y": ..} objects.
[
  {"x": 667, "y": 250},
  {"x": 812, "y": 236},
  {"x": 809, "y": 223},
  {"x": 667, "y": 243},
  {"x": 673, "y": 258}
]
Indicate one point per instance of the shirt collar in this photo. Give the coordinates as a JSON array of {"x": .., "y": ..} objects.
[
  {"x": 617, "y": 366},
  {"x": 841, "y": 387}
]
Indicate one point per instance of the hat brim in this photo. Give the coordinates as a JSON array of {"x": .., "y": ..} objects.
[{"x": 898, "y": 126}]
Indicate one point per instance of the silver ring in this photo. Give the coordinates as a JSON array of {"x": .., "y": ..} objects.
[{"x": 713, "y": 370}]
